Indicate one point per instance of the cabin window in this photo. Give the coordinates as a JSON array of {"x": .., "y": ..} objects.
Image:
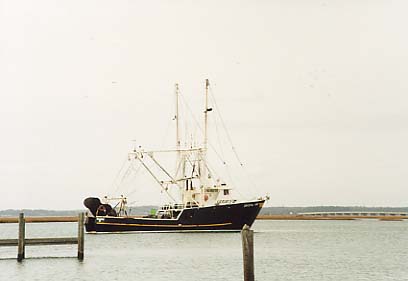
[{"x": 226, "y": 191}]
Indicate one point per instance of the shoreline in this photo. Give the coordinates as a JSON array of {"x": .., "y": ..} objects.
[
  {"x": 305, "y": 217},
  {"x": 45, "y": 219}
]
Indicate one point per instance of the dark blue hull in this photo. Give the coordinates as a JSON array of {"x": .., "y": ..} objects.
[{"x": 214, "y": 218}]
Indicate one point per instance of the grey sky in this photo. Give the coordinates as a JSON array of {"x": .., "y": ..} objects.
[{"x": 314, "y": 93}]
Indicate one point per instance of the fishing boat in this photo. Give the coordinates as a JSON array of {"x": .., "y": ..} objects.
[{"x": 205, "y": 202}]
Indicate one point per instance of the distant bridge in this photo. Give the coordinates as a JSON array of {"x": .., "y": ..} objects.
[{"x": 355, "y": 214}]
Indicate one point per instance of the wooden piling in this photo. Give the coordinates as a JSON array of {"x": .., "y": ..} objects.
[
  {"x": 21, "y": 238},
  {"x": 81, "y": 236},
  {"x": 248, "y": 253}
]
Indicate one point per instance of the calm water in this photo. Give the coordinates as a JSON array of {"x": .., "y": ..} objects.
[{"x": 284, "y": 250}]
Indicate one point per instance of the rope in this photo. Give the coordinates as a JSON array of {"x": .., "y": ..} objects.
[
  {"x": 166, "y": 132},
  {"x": 136, "y": 171},
  {"x": 225, "y": 128},
  {"x": 219, "y": 139},
  {"x": 220, "y": 157},
  {"x": 114, "y": 183},
  {"x": 230, "y": 139},
  {"x": 198, "y": 126}
]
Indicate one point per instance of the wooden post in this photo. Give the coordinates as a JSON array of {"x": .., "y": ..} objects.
[
  {"x": 81, "y": 236},
  {"x": 21, "y": 237},
  {"x": 248, "y": 253}
]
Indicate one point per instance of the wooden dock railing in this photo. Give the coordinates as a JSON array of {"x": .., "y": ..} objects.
[{"x": 22, "y": 241}]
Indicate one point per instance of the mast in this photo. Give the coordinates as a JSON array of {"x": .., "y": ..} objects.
[
  {"x": 177, "y": 130},
  {"x": 177, "y": 118},
  {"x": 203, "y": 170},
  {"x": 180, "y": 160},
  {"x": 207, "y": 84}
]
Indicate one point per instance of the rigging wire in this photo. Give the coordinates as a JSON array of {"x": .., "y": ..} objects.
[
  {"x": 128, "y": 172},
  {"x": 225, "y": 128},
  {"x": 220, "y": 154},
  {"x": 125, "y": 175},
  {"x": 220, "y": 157},
  {"x": 114, "y": 183},
  {"x": 166, "y": 132},
  {"x": 227, "y": 168},
  {"x": 218, "y": 138},
  {"x": 136, "y": 172},
  {"x": 199, "y": 127},
  {"x": 230, "y": 139}
]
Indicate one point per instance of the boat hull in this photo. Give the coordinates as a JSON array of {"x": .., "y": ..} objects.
[{"x": 226, "y": 217}]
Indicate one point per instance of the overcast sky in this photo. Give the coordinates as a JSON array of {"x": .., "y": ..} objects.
[{"x": 314, "y": 94}]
